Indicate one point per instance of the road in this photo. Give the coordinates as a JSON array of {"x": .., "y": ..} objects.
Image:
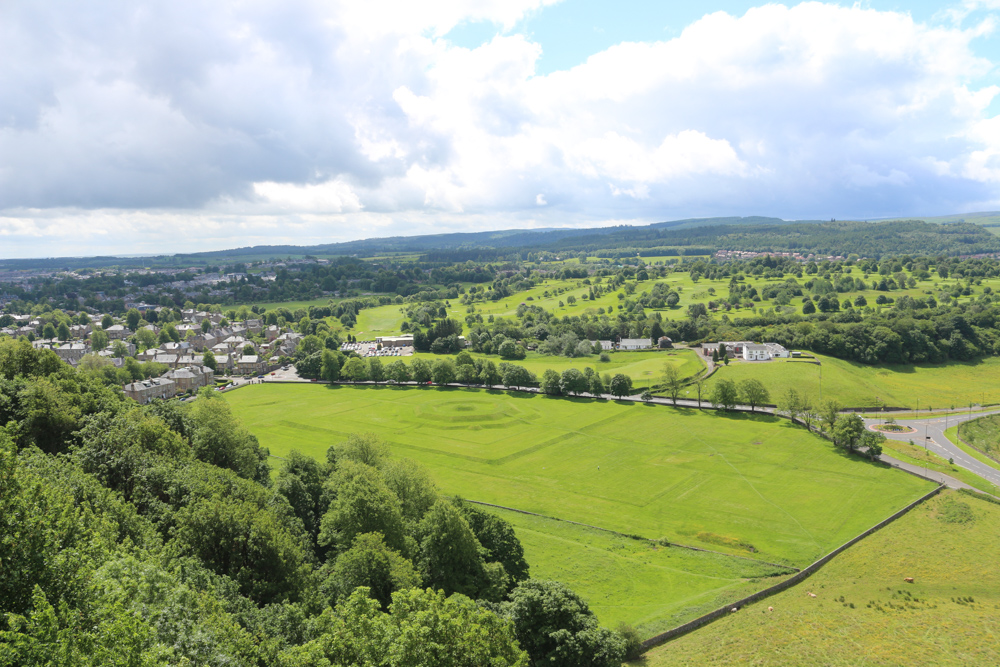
[{"x": 934, "y": 428}]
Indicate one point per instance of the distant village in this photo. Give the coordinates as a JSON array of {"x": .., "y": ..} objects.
[{"x": 240, "y": 348}]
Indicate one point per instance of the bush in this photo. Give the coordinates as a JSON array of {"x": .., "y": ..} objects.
[
  {"x": 633, "y": 641},
  {"x": 605, "y": 357}
]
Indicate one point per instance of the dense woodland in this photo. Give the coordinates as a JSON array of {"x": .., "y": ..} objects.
[{"x": 159, "y": 535}]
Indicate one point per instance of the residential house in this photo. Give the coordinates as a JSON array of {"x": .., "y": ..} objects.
[
  {"x": 118, "y": 332},
  {"x": 635, "y": 343},
  {"x": 755, "y": 352},
  {"x": 249, "y": 364},
  {"x": 145, "y": 391}
]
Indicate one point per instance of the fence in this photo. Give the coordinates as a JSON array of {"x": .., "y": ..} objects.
[{"x": 779, "y": 587}]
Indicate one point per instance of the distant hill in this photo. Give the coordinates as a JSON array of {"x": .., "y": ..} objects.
[{"x": 949, "y": 235}]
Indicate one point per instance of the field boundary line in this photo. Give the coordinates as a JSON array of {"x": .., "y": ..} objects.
[
  {"x": 793, "y": 580},
  {"x": 631, "y": 537}
]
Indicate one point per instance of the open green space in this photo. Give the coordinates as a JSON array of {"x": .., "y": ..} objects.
[
  {"x": 649, "y": 586},
  {"x": 644, "y": 367},
  {"x": 983, "y": 434},
  {"x": 751, "y": 485},
  {"x": 864, "y": 613},
  {"x": 855, "y": 385},
  {"x": 381, "y": 321},
  {"x": 921, "y": 456}
]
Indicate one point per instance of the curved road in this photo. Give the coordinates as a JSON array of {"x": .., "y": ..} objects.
[{"x": 936, "y": 442}]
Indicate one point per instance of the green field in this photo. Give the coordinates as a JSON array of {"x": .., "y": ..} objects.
[
  {"x": 983, "y": 434},
  {"x": 729, "y": 482},
  {"x": 637, "y": 582},
  {"x": 375, "y": 322},
  {"x": 643, "y": 367},
  {"x": 864, "y": 613},
  {"x": 856, "y": 385}
]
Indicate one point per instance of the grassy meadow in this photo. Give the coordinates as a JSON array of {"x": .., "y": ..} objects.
[
  {"x": 751, "y": 485},
  {"x": 983, "y": 434},
  {"x": 649, "y": 586},
  {"x": 864, "y": 613},
  {"x": 856, "y": 385}
]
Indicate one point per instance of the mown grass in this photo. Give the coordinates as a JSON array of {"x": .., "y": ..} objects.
[
  {"x": 681, "y": 474},
  {"x": 864, "y": 613},
  {"x": 856, "y": 385},
  {"x": 380, "y": 321},
  {"x": 649, "y": 586}
]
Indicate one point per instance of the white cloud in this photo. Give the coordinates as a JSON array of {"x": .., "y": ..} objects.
[{"x": 335, "y": 120}]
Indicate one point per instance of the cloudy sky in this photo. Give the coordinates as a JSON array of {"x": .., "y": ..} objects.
[{"x": 183, "y": 126}]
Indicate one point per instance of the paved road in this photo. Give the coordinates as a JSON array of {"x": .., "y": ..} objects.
[{"x": 934, "y": 428}]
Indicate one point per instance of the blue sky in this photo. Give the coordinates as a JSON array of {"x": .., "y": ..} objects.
[
  {"x": 183, "y": 126},
  {"x": 573, "y": 30}
]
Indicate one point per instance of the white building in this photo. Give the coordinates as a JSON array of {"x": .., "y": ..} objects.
[
  {"x": 635, "y": 344},
  {"x": 777, "y": 351},
  {"x": 755, "y": 352}
]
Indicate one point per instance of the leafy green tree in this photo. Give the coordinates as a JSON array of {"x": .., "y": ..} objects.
[
  {"x": 498, "y": 538},
  {"x": 364, "y": 504},
  {"x": 873, "y": 444},
  {"x": 790, "y": 404},
  {"x": 132, "y": 318},
  {"x": 620, "y": 385},
  {"x": 725, "y": 395},
  {"x": 208, "y": 360},
  {"x": 219, "y": 438},
  {"x": 516, "y": 376},
  {"x": 466, "y": 374},
  {"x": 62, "y": 331},
  {"x": 48, "y": 331},
  {"x": 372, "y": 564},
  {"x": 450, "y": 556},
  {"x": 421, "y": 371},
  {"x": 107, "y": 321},
  {"x": 573, "y": 382},
  {"x": 300, "y": 480},
  {"x": 551, "y": 383},
  {"x": 330, "y": 367},
  {"x": 754, "y": 393},
  {"x": 556, "y": 627},
  {"x": 489, "y": 375},
  {"x": 597, "y": 387},
  {"x": 206, "y": 325},
  {"x": 412, "y": 484},
  {"x": 244, "y": 542},
  {"x": 848, "y": 431},
  {"x": 422, "y": 628},
  {"x": 98, "y": 340},
  {"x": 443, "y": 371},
  {"x": 355, "y": 370},
  {"x": 376, "y": 371},
  {"x": 464, "y": 359},
  {"x": 365, "y": 448},
  {"x": 399, "y": 372},
  {"x": 829, "y": 413},
  {"x": 672, "y": 381},
  {"x": 119, "y": 349}
]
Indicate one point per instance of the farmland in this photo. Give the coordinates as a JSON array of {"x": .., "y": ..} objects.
[
  {"x": 864, "y": 613},
  {"x": 736, "y": 483},
  {"x": 856, "y": 385},
  {"x": 624, "y": 580}
]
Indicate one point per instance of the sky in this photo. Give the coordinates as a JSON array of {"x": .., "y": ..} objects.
[{"x": 133, "y": 128}]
